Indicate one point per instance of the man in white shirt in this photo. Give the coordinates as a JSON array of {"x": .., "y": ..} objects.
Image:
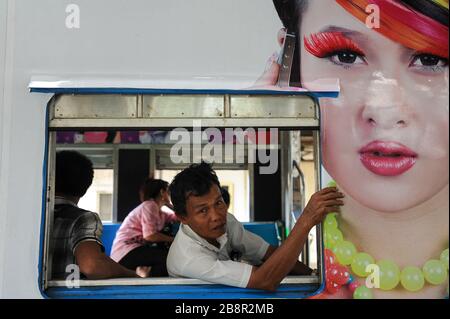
[{"x": 212, "y": 245}]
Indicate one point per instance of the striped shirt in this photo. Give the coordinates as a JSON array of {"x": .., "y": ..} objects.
[{"x": 72, "y": 225}]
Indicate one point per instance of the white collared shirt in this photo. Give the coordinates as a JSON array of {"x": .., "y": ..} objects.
[{"x": 191, "y": 256}]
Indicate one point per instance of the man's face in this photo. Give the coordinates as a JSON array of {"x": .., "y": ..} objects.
[{"x": 207, "y": 214}]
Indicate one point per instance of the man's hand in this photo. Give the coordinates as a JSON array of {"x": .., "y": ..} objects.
[{"x": 328, "y": 200}]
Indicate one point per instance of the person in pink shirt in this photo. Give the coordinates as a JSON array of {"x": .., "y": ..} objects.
[{"x": 140, "y": 239}]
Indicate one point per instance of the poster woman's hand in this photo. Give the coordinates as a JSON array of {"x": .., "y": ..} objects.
[{"x": 269, "y": 79}]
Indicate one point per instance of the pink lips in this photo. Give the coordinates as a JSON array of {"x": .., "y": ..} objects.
[{"x": 387, "y": 158}]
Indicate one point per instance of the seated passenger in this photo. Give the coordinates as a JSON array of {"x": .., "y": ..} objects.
[
  {"x": 76, "y": 237},
  {"x": 140, "y": 240},
  {"x": 211, "y": 244}
]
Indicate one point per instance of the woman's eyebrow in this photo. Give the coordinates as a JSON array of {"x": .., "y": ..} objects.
[{"x": 352, "y": 34}]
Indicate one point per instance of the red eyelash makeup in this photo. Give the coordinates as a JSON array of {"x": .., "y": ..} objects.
[{"x": 324, "y": 44}]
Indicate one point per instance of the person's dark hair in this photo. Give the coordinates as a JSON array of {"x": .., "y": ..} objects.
[
  {"x": 225, "y": 196},
  {"x": 196, "y": 180},
  {"x": 151, "y": 188},
  {"x": 73, "y": 173},
  {"x": 289, "y": 12}
]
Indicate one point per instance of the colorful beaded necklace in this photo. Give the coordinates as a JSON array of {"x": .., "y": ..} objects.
[{"x": 340, "y": 255}]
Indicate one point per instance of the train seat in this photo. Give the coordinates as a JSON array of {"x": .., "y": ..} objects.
[
  {"x": 267, "y": 230},
  {"x": 109, "y": 233}
]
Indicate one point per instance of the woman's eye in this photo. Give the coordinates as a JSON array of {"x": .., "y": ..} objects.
[
  {"x": 428, "y": 60},
  {"x": 346, "y": 58}
]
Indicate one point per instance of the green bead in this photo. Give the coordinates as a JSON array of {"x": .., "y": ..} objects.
[
  {"x": 332, "y": 184},
  {"x": 328, "y": 228},
  {"x": 360, "y": 262},
  {"x": 362, "y": 292},
  {"x": 389, "y": 274},
  {"x": 325, "y": 242},
  {"x": 330, "y": 221},
  {"x": 345, "y": 251},
  {"x": 332, "y": 237},
  {"x": 412, "y": 278},
  {"x": 444, "y": 257},
  {"x": 435, "y": 272}
]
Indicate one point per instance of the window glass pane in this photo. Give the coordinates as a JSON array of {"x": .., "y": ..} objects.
[
  {"x": 237, "y": 183},
  {"x": 238, "y": 178},
  {"x": 98, "y": 198},
  {"x": 307, "y": 166}
]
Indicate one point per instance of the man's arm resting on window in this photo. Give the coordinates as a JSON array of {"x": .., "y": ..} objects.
[
  {"x": 269, "y": 275},
  {"x": 300, "y": 269},
  {"x": 94, "y": 264}
]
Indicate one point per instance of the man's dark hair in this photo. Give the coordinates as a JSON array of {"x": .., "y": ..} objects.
[
  {"x": 196, "y": 180},
  {"x": 151, "y": 188},
  {"x": 225, "y": 196},
  {"x": 73, "y": 173}
]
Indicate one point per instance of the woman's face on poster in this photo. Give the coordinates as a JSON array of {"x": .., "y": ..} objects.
[{"x": 386, "y": 138}]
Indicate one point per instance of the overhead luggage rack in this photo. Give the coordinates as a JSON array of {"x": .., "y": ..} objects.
[{"x": 172, "y": 110}]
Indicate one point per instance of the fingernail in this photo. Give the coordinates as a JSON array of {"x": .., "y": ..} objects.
[
  {"x": 275, "y": 55},
  {"x": 273, "y": 58}
]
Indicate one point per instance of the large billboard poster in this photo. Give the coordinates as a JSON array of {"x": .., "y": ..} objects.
[{"x": 385, "y": 138}]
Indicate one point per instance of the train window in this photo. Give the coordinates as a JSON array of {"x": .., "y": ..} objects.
[
  {"x": 264, "y": 149},
  {"x": 98, "y": 198}
]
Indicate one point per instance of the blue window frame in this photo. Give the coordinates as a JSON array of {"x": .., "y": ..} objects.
[{"x": 151, "y": 289}]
